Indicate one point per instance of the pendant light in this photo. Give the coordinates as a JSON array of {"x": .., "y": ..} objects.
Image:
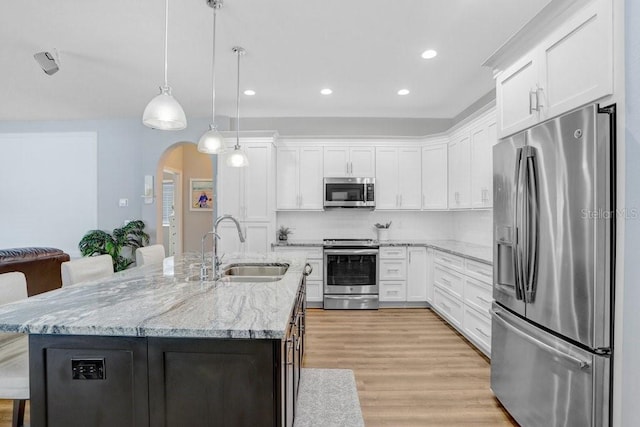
[
  {"x": 164, "y": 112},
  {"x": 238, "y": 158},
  {"x": 211, "y": 142}
]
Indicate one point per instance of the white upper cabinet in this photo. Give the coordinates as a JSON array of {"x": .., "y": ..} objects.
[
  {"x": 246, "y": 192},
  {"x": 349, "y": 161},
  {"x": 571, "y": 67},
  {"x": 460, "y": 171},
  {"x": 577, "y": 61},
  {"x": 398, "y": 178},
  {"x": 516, "y": 89},
  {"x": 483, "y": 138},
  {"x": 299, "y": 178},
  {"x": 434, "y": 177}
]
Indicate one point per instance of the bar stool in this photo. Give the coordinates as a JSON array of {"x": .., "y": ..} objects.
[
  {"x": 84, "y": 269},
  {"x": 14, "y": 351},
  {"x": 149, "y": 255}
]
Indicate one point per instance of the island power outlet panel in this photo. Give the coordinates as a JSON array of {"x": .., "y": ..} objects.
[{"x": 88, "y": 369}]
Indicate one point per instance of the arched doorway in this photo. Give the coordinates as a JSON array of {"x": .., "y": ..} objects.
[{"x": 181, "y": 221}]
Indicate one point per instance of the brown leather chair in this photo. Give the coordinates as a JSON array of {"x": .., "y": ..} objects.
[{"x": 41, "y": 266}]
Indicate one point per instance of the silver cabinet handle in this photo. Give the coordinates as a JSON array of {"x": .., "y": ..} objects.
[
  {"x": 347, "y": 166},
  {"x": 401, "y": 200},
  {"x": 309, "y": 271},
  {"x": 582, "y": 364},
  {"x": 531, "y": 95}
]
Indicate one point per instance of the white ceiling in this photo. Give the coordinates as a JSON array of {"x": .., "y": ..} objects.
[{"x": 365, "y": 50}]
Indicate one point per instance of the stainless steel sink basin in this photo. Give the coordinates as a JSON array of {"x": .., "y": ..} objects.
[
  {"x": 255, "y": 270},
  {"x": 247, "y": 279}
]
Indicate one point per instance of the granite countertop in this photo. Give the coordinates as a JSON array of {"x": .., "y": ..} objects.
[
  {"x": 165, "y": 300},
  {"x": 472, "y": 251}
]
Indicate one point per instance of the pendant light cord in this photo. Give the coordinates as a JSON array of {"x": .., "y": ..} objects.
[
  {"x": 213, "y": 71},
  {"x": 166, "y": 38},
  {"x": 238, "y": 52}
]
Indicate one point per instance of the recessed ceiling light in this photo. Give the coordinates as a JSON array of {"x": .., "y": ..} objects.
[
  {"x": 428, "y": 54},
  {"x": 326, "y": 91},
  {"x": 403, "y": 92},
  {"x": 249, "y": 92}
]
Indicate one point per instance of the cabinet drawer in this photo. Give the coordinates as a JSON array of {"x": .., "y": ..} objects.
[
  {"x": 478, "y": 295},
  {"x": 314, "y": 291},
  {"x": 448, "y": 306},
  {"x": 448, "y": 260},
  {"x": 310, "y": 252},
  {"x": 479, "y": 270},
  {"x": 477, "y": 327},
  {"x": 393, "y": 269},
  {"x": 448, "y": 279},
  {"x": 393, "y": 252},
  {"x": 393, "y": 291}
]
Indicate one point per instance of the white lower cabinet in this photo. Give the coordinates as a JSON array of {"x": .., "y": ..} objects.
[
  {"x": 315, "y": 280},
  {"x": 417, "y": 274},
  {"x": 393, "y": 291},
  {"x": 462, "y": 295}
]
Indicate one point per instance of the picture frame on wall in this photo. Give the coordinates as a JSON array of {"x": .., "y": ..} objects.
[{"x": 201, "y": 194}]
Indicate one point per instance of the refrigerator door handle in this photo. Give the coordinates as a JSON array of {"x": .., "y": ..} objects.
[
  {"x": 533, "y": 225},
  {"x": 581, "y": 364},
  {"x": 517, "y": 212}
]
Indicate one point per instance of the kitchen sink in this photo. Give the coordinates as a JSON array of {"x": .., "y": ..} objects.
[
  {"x": 255, "y": 270},
  {"x": 247, "y": 279}
]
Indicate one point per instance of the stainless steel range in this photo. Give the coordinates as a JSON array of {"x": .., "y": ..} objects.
[{"x": 350, "y": 274}]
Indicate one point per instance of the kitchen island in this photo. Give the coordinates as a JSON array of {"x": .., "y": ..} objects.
[{"x": 156, "y": 346}]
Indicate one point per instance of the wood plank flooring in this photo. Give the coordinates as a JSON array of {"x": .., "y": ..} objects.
[{"x": 411, "y": 368}]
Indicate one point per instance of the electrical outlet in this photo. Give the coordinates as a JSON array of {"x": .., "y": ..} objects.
[{"x": 123, "y": 203}]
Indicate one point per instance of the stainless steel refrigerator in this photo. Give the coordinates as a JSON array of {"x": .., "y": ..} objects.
[{"x": 552, "y": 343}]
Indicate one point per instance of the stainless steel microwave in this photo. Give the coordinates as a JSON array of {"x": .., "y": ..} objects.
[{"x": 349, "y": 193}]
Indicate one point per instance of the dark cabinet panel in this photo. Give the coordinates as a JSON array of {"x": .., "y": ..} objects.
[
  {"x": 88, "y": 381},
  {"x": 212, "y": 382}
]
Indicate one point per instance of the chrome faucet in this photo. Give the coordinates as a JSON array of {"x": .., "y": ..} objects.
[{"x": 216, "y": 260}]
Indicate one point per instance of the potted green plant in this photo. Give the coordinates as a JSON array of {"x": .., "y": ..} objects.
[
  {"x": 98, "y": 242},
  {"x": 283, "y": 233}
]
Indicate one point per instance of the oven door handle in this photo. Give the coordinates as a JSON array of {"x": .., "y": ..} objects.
[{"x": 351, "y": 251}]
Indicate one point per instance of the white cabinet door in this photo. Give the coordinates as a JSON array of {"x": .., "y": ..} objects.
[
  {"x": 417, "y": 274},
  {"x": 287, "y": 170},
  {"x": 482, "y": 165},
  {"x": 229, "y": 242},
  {"x": 310, "y": 178},
  {"x": 434, "y": 177},
  {"x": 387, "y": 196},
  {"x": 515, "y": 91},
  {"x": 429, "y": 267},
  {"x": 336, "y": 161},
  {"x": 459, "y": 172},
  {"x": 257, "y": 237},
  {"x": 230, "y": 191},
  {"x": 577, "y": 61},
  {"x": 257, "y": 185},
  {"x": 362, "y": 162},
  {"x": 409, "y": 178}
]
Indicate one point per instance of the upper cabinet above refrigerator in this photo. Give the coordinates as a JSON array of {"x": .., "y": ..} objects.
[{"x": 571, "y": 67}]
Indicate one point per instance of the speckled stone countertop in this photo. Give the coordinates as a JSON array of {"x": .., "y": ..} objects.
[
  {"x": 472, "y": 251},
  {"x": 163, "y": 300}
]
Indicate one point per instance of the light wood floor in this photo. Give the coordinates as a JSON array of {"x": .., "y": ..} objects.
[{"x": 411, "y": 368}]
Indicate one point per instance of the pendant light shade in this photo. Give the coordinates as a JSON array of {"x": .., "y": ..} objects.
[
  {"x": 164, "y": 112},
  {"x": 211, "y": 142},
  {"x": 238, "y": 158}
]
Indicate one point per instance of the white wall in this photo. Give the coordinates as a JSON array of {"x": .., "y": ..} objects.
[
  {"x": 48, "y": 195},
  {"x": 351, "y": 223}
]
